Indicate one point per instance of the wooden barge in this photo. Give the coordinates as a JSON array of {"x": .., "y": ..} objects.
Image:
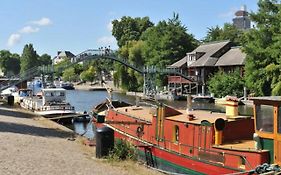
[{"x": 202, "y": 142}]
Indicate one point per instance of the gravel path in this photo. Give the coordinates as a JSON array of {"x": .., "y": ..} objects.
[{"x": 34, "y": 145}]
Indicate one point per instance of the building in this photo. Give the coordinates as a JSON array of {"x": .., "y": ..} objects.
[
  {"x": 242, "y": 20},
  {"x": 202, "y": 62},
  {"x": 62, "y": 55}
]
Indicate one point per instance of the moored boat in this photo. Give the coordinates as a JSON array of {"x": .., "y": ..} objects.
[
  {"x": 201, "y": 142},
  {"x": 51, "y": 102}
]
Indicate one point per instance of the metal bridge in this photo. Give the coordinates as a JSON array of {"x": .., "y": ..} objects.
[{"x": 147, "y": 72}]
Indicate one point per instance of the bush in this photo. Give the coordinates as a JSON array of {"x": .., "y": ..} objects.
[
  {"x": 223, "y": 84},
  {"x": 123, "y": 150}
]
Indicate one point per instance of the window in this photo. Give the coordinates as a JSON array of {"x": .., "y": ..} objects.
[
  {"x": 264, "y": 118},
  {"x": 176, "y": 133},
  {"x": 242, "y": 162}
]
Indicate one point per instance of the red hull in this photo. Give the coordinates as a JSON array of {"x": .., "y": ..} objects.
[{"x": 191, "y": 150}]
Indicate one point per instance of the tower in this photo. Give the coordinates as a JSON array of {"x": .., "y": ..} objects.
[{"x": 242, "y": 20}]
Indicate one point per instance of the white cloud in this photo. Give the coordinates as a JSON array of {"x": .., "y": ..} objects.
[
  {"x": 29, "y": 29},
  {"x": 13, "y": 39},
  {"x": 107, "y": 40},
  {"x": 42, "y": 22}
]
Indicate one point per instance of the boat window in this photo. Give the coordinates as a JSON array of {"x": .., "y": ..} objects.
[
  {"x": 264, "y": 118},
  {"x": 62, "y": 94},
  {"x": 279, "y": 121},
  {"x": 48, "y": 94},
  {"x": 176, "y": 133},
  {"x": 242, "y": 162}
]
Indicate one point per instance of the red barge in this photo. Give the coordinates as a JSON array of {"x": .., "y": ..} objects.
[{"x": 202, "y": 142}]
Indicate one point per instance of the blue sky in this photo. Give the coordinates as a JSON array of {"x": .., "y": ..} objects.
[{"x": 77, "y": 25}]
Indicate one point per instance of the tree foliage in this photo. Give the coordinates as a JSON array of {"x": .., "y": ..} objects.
[
  {"x": 159, "y": 46},
  {"x": 166, "y": 43},
  {"x": 223, "y": 84},
  {"x": 128, "y": 29},
  {"x": 69, "y": 74},
  {"x": 9, "y": 63},
  {"x": 88, "y": 75},
  {"x": 262, "y": 46},
  {"x": 29, "y": 58},
  {"x": 227, "y": 32},
  {"x": 45, "y": 59}
]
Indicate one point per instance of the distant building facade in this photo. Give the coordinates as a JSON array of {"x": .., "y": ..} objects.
[
  {"x": 242, "y": 19},
  {"x": 62, "y": 55}
]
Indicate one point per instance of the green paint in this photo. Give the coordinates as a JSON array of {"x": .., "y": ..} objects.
[
  {"x": 162, "y": 164},
  {"x": 268, "y": 144}
]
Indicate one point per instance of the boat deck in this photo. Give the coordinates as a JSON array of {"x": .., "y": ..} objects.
[{"x": 141, "y": 112}]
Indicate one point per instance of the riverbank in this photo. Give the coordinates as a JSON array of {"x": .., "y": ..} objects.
[
  {"x": 88, "y": 86},
  {"x": 35, "y": 145}
]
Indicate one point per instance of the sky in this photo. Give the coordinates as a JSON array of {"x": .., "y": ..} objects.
[{"x": 78, "y": 25}]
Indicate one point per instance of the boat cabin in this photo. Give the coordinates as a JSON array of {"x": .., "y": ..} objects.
[
  {"x": 267, "y": 112},
  {"x": 53, "y": 95}
]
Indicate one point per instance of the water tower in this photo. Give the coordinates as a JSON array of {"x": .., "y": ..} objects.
[{"x": 242, "y": 20}]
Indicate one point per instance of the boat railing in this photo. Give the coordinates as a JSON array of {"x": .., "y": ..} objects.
[{"x": 208, "y": 154}]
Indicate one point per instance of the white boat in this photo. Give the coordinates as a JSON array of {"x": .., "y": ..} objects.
[{"x": 51, "y": 103}]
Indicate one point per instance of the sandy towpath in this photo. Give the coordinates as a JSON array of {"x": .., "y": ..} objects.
[{"x": 36, "y": 146}]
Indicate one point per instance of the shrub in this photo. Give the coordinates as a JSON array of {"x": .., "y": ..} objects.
[{"x": 123, "y": 150}]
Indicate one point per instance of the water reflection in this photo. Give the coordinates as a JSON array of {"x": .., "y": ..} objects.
[{"x": 85, "y": 129}]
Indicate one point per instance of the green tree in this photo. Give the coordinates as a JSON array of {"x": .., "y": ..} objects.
[
  {"x": 166, "y": 43},
  {"x": 128, "y": 78},
  {"x": 9, "y": 63},
  {"x": 59, "y": 67},
  {"x": 227, "y": 32},
  {"x": 29, "y": 58},
  {"x": 223, "y": 84},
  {"x": 127, "y": 32},
  {"x": 88, "y": 75},
  {"x": 262, "y": 47},
  {"x": 45, "y": 59},
  {"x": 128, "y": 29},
  {"x": 69, "y": 74}
]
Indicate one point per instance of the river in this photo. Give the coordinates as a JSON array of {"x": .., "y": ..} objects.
[{"x": 85, "y": 101}]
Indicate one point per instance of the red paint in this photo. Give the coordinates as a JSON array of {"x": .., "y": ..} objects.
[{"x": 193, "y": 141}]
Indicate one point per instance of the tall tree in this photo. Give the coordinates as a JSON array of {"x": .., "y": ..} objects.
[
  {"x": 29, "y": 58},
  {"x": 127, "y": 32},
  {"x": 166, "y": 43},
  {"x": 262, "y": 46},
  {"x": 128, "y": 29}
]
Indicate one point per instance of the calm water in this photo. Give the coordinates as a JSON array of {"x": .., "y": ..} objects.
[{"x": 86, "y": 100}]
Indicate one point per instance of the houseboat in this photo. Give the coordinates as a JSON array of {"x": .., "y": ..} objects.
[
  {"x": 51, "y": 102},
  {"x": 202, "y": 142}
]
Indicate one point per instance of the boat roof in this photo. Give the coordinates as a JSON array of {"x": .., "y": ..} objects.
[
  {"x": 146, "y": 113},
  {"x": 142, "y": 112},
  {"x": 53, "y": 89},
  {"x": 199, "y": 117},
  {"x": 270, "y": 100}
]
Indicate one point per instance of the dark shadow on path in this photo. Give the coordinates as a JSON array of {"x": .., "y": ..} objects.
[
  {"x": 14, "y": 113},
  {"x": 33, "y": 130}
]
